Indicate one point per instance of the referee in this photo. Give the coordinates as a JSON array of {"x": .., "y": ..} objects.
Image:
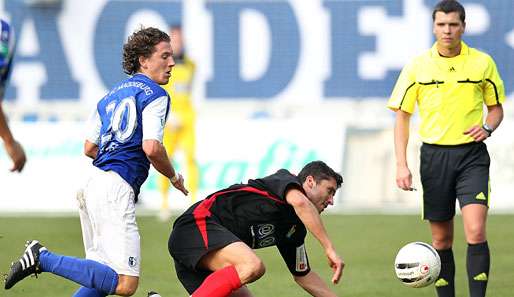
[{"x": 450, "y": 83}]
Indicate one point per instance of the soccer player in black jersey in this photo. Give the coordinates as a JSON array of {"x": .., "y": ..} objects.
[{"x": 212, "y": 242}]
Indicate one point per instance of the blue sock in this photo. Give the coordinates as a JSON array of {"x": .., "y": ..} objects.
[
  {"x": 87, "y": 273},
  {"x": 87, "y": 292}
]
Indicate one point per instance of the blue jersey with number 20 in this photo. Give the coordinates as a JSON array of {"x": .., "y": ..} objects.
[{"x": 121, "y": 134}]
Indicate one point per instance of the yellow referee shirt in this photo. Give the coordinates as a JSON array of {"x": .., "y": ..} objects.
[
  {"x": 450, "y": 93},
  {"x": 180, "y": 86}
]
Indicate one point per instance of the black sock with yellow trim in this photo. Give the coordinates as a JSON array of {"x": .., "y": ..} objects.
[
  {"x": 478, "y": 263},
  {"x": 445, "y": 283}
]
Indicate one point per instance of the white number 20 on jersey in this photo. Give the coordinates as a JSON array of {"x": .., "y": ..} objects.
[{"x": 123, "y": 118}]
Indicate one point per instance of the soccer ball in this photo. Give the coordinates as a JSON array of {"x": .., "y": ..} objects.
[{"x": 417, "y": 265}]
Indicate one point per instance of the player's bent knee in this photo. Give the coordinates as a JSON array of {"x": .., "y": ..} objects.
[
  {"x": 258, "y": 270},
  {"x": 125, "y": 290},
  {"x": 251, "y": 270}
]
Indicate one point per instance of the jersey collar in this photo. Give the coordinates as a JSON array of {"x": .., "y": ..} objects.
[{"x": 464, "y": 50}]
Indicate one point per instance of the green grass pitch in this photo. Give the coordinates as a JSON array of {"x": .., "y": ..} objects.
[{"x": 367, "y": 243}]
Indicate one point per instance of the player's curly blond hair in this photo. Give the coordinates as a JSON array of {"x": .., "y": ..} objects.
[{"x": 141, "y": 43}]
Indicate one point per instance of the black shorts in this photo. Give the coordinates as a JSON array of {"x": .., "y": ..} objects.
[
  {"x": 187, "y": 246},
  {"x": 453, "y": 172}
]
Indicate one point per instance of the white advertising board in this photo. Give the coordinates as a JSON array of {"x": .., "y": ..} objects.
[{"x": 227, "y": 153}]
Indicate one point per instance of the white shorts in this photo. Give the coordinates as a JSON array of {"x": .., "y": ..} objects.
[{"x": 108, "y": 219}]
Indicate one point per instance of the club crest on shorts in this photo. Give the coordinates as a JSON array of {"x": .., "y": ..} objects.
[{"x": 132, "y": 261}]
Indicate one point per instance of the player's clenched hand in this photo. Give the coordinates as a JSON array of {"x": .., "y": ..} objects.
[
  {"x": 17, "y": 155},
  {"x": 178, "y": 183},
  {"x": 477, "y": 132},
  {"x": 404, "y": 178},
  {"x": 336, "y": 263}
]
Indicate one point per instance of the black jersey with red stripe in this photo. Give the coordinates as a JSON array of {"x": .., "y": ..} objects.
[{"x": 256, "y": 212}]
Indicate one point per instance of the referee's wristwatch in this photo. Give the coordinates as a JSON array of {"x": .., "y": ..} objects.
[{"x": 487, "y": 129}]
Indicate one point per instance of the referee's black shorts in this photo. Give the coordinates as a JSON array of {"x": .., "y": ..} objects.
[
  {"x": 188, "y": 244},
  {"x": 449, "y": 173}
]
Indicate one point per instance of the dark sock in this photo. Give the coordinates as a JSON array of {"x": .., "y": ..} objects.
[
  {"x": 478, "y": 263},
  {"x": 445, "y": 284}
]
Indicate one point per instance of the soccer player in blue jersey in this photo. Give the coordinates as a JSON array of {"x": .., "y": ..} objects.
[
  {"x": 11, "y": 146},
  {"x": 124, "y": 138}
]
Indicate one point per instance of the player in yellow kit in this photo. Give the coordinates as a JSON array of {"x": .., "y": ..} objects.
[{"x": 179, "y": 133}]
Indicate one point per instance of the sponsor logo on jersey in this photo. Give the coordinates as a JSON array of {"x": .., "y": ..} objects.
[
  {"x": 263, "y": 235},
  {"x": 267, "y": 241},
  {"x": 265, "y": 229}
]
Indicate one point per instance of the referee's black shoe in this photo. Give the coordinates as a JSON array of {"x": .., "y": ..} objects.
[{"x": 27, "y": 264}]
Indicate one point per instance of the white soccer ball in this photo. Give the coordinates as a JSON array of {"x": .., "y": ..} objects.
[{"x": 417, "y": 265}]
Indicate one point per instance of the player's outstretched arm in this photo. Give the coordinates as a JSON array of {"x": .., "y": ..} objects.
[
  {"x": 310, "y": 217},
  {"x": 12, "y": 147},
  {"x": 314, "y": 285},
  {"x": 157, "y": 155}
]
